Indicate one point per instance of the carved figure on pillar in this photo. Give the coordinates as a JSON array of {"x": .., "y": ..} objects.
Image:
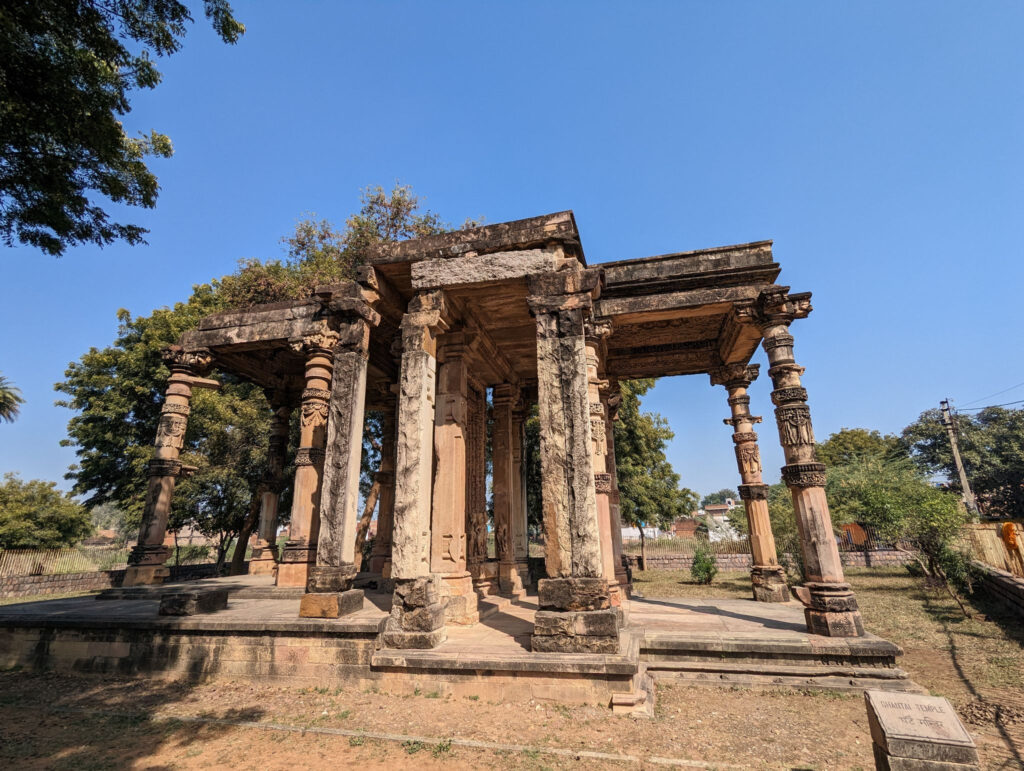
[
  {"x": 767, "y": 577},
  {"x": 146, "y": 561},
  {"x": 830, "y": 606}
]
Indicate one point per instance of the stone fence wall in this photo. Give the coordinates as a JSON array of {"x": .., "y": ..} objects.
[
  {"x": 874, "y": 558},
  {"x": 1003, "y": 585},
  {"x": 66, "y": 583}
]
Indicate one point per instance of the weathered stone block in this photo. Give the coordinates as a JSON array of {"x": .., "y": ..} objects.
[
  {"x": 847, "y": 624},
  {"x": 193, "y": 602},
  {"x": 417, "y": 592},
  {"x": 769, "y": 584},
  {"x": 330, "y": 604},
  {"x": 425, "y": 619},
  {"x": 324, "y": 578},
  {"x": 573, "y": 594},
  {"x": 885, "y": 762},
  {"x": 581, "y": 622},
  {"x": 399, "y": 639}
]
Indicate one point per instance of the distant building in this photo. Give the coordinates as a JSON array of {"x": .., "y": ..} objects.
[
  {"x": 649, "y": 532},
  {"x": 685, "y": 527}
]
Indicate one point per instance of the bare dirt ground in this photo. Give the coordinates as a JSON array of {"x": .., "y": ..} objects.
[{"x": 52, "y": 721}]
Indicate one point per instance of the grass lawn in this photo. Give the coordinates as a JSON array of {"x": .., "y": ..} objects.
[{"x": 66, "y": 721}]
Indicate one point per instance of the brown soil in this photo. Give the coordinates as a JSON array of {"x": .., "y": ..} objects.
[{"x": 50, "y": 721}]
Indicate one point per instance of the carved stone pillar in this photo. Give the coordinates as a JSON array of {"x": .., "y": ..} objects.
[
  {"x": 265, "y": 554},
  {"x": 767, "y": 577},
  {"x": 417, "y": 614},
  {"x": 831, "y": 608},
  {"x": 450, "y": 488},
  {"x": 299, "y": 552},
  {"x": 146, "y": 562},
  {"x": 520, "y": 536},
  {"x": 380, "y": 558},
  {"x": 484, "y": 572},
  {"x": 329, "y": 591},
  {"x": 575, "y": 604},
  {"x": 597, "y": 331},
  {"x": 612, "y": 399},
  {"x": 506, "y": 457}
]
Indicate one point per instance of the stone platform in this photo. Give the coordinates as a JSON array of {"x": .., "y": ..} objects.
[{"x": 735, "y": 642}]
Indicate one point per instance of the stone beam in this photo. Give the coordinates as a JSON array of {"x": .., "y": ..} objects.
[
  {"x": 476, "y": 270},
  {"x": 669, "y": 301}
]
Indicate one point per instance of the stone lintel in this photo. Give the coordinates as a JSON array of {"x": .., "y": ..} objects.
[{"x": 478, "y": 270}]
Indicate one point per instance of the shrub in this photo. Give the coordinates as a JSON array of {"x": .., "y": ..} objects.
[{"x": 704, "y": 568}]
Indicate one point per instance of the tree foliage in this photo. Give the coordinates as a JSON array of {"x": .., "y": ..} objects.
[
  {"x": 67, "y": 70},
  {"x": 117, "y": 392},
  {"x": 719, "y": 496},
  {"x": 991, "y": 447},
  {"x": 10, "y": 400},
  {"x": 36, "y": 515},
  {"x": 850, "y": 445},
  {"x": 649, "y": 487}
]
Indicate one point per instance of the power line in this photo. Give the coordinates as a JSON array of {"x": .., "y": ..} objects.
[
  {"x": 997, "y": 393},
  {"x": 975, "y": 409}
]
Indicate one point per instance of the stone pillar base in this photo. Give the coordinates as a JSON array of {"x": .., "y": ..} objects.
[
  {"x": 769, "y": 582},
  {"x": 417, "y": 615},
  {"x": 462, "y": 599},
  {"x": 830, "y": 609},
  {"x": 296, "y": 561},
  {"x": 263, "y": 561},
  {"x": 330, "y": 604},
  {"x": 575, "y": 616},
  {"x": 485, "y": 577},
  {"x": 145, "y": 575},
  {"x": 377, "y": 563},
  {"x": 330, "y": 578},
  {"x": 510, "y": 578}
]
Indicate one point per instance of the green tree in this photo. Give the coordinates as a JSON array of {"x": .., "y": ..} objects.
[
  {"x": 67, "y": 70},
  {"x": 991, "y": 446},
  {"x": 719, "y": 497},
  {"x": 36, "y": 515},
  {"x": 650, "y": 492},
  {"x": 10, "y": 400},
  {"x": 853, "y": 444}
]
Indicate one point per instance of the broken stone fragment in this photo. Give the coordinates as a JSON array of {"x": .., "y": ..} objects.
[{"x": 573, "y": 594}]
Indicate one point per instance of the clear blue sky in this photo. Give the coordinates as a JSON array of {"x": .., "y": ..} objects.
[{"x": 879, "y": 145}]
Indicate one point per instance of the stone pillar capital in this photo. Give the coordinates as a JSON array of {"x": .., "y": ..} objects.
[
  {"x": 734, "y": 376},
  {"x": 195, "y": 362}
]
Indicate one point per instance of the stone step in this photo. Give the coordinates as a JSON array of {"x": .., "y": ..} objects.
[
  {"x": 823, "y": 682},
  {"x": 782, "y": 670}
]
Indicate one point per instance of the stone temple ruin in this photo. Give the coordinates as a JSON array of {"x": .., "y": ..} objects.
[{"x": 425, "y": 330}]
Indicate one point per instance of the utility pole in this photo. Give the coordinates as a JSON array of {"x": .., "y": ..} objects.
[{"x": 947, "y": 421}]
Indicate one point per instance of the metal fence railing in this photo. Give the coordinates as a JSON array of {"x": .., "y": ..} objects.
[{"x": 85, "y": 559}]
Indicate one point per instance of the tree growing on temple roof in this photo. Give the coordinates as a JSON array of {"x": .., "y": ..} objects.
[{"x": 67, "y": 69}]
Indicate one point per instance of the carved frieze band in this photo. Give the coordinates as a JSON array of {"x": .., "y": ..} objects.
[
  {"x": 163, "y": 467},
  {"x": 177, "y": 409},
  {"x": 315, "y": 407},
  {"x": 742, "y": 437},
  {"x": 794, "y": 425},
  {"x": 309, "y": 456},
  {"x": 745, "y": 419},
  {"x": 754, "y": 492},
  {"x": 782, "y": 395},
  {"x": 603, "y": 483},
  {"x": 778, "y": 341},
  {"x": 804, "y": 474},
  {"x": 735, "y": 400}
]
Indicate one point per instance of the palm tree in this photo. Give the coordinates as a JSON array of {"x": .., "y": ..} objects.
[{"x": 10, "y": 400}]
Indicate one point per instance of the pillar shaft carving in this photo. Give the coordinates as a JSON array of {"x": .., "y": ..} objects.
[
  {"x": 451, "y": 417},
  {"x": 572, "y": 535},
  {"x": 147, "y": 558},
  {"x": 420, "y": 327},
  {"x": 299, "y": 552},
  {"x": 476, "y": 477},
  {"x": 831, "y": 608},
  {"x": 337, "y": 559},
  {"x": 265, "y": 553},
  {"x": 768, "y": 579}
]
